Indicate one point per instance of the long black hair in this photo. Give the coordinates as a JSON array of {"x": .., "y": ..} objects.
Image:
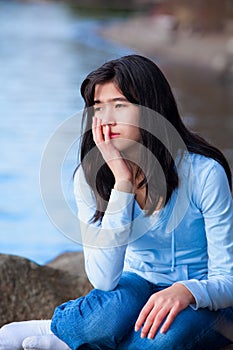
[{"x": 142, "y": 83}]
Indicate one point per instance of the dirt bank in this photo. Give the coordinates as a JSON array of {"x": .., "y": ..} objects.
[{"x": 158, "y": 37}]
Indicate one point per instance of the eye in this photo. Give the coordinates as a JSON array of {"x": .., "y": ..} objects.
[
  {"x": 98, "y": 109},
  {"x": 120, "y": 105}
]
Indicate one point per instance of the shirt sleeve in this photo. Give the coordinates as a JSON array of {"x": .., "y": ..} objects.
[
  {"x": 217, "y": 208},
  {"x": 105, "y": 243}
]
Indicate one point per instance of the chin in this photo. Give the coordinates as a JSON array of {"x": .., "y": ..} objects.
[{"x": 126, "y": 145}]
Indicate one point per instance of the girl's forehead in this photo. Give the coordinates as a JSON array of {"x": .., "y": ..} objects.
[{"x": 107, "y": 91}]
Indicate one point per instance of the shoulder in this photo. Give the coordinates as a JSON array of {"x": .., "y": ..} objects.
[
  {"x": 200, "y": 167},
  {"x": 202, "y": 162},
  {"x": 206, "y": 178}
]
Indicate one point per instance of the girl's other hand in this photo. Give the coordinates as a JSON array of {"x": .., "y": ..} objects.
[{"x": 163, "y": 305}]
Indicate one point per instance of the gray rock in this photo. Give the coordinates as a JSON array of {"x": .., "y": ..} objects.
[
  {"x": 69, "y": 262},
  {"x": 30, "y": 291}
]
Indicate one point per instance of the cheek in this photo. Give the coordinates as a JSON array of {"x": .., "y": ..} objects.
[
  {"x": 134, "y": 133},
  {"x": 130, "y": 116},
  {"x": 137, "y": 135}
]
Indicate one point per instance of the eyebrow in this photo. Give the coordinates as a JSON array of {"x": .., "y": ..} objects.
[{"x": 115, "y": 99}]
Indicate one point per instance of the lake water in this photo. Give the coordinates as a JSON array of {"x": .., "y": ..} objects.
[{"x": 45, "y": 52}]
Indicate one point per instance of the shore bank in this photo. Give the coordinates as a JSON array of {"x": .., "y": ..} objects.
[{"x": 158, "y": 38}]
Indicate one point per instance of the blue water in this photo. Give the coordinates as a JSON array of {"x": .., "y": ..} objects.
[{"x": 45, "y": 52}]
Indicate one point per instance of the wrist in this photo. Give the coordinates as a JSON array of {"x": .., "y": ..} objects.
[
  {"x": 124, "y": 185},
  {"x": 187, "y": 292}
]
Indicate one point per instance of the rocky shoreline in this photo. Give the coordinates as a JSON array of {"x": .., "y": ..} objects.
[
  {"x": 157, "y": 37},
  {"x": 31, "y": 291}
]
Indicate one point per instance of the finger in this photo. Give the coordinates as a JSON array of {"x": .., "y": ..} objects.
[
  {"x": 158, "y": 319},
  {"x": 170, "y": 318},
  {"x": 99, "y": 131},
  {"x": 143, "y": 315},
  {"x": 107, "y": 133},
  {"x": 148, "y": 324},
  {"x": 94, "y": 124}
]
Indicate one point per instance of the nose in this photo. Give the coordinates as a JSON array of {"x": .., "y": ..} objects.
[
  {"x": 108, "y": 122},
  {"x": 108, "y": 116}
]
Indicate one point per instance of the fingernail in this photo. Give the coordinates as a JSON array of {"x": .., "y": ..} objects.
[
  {"x": 149, "y": 336},
  {"x": 143, "y": 335}
]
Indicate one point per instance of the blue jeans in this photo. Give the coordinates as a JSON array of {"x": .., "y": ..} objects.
[{"x": 105, "y": 320}]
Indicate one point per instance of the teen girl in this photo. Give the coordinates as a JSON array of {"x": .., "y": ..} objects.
[{"x": 155, "y": 206}]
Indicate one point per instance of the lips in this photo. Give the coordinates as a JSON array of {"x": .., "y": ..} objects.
[{"x": 114, "y": 135}]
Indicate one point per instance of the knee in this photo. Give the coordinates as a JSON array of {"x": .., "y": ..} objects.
[
  {"x": 86, "y": 315},
  {"x": 97, "y": 318},
  {"x": 101, "y": 316}
]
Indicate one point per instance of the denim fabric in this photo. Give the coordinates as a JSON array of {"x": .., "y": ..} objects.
[{"x": 105, "y": 320}]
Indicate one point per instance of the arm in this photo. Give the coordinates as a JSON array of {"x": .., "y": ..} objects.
[
  {"x": 104, "y": 244},
  {"x": 216, "y": 205},
  {"x": 216, "y": 292}
]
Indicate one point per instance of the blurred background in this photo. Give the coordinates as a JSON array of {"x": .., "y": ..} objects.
[{"x": 46, "y": 50}]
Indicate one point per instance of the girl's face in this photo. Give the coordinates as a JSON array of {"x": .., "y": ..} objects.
[{"x": 116, "y": 111}]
